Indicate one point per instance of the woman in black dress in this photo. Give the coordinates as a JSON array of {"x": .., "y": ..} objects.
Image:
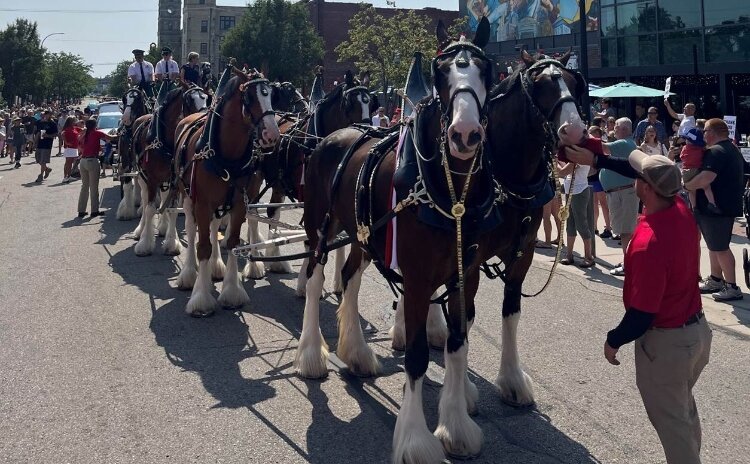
[{"x": 190, "y": 71}]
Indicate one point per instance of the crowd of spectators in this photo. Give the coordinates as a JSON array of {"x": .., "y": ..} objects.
[{"x": 712, "y": 171}]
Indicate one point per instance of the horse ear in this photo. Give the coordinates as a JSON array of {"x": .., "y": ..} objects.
[
  {"x": 349, "y": 78},
  {"x": 527, "y": 59},
  {"x": 441, "y": 33},
  {"x": 564, "y": 59},
  {"x": 365, "y": 79},
  {"x": 482, "y": 36}
]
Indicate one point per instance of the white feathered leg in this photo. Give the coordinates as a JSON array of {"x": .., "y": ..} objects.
[
  {"x": 171, "y": 244},
  {"x": 126, "y": 208},
  {"x": 216, "y": 262},
  {"x": 460, "y": 435},
  {"x": 302, "y": 276},
  {"x": 412, "y": 441},
  {"x": 352, "y": 347},
  {"x": 254, "y": 269},
  {"x": 189, "y": 271},
  {"x": 312, "y": 352},
  {"x": 338, "y": 287},
  {"x": 227, "y": 223},
  {"x": 142, "y": 190},
  {"x": 233, "y": 294},
  {"x": 398, "y": 331},
  {"x": 437, "y": 329},
  {"x": 147, "y": 242},
  {"x": 514, "y": 385},
  {"x": 202, "y": 303},
  {"x": 163, "y": 224},
  {"x": 281, "y": 267}
]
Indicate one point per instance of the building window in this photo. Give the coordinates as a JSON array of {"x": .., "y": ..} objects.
[
  {"x": 637, "y": 51},
  {"x": 726, "y": 12},
  {"x": 607, "y": 22},
  {"x": 204, "y": 25},
  {"x": 729, "y": 43},
  {"x": 679, "y": 14},
  {"x": 609, "y": 53},
  {"x": 201, "y": 2},
  {"x": 204, "y": 48},
  {"x": 226, "y": 22},
  {"x": 677, "y": 47},
  {"x": 636, "y": 18}
]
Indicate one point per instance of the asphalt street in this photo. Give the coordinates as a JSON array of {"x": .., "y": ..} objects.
[{"x": 99, "y": 362}]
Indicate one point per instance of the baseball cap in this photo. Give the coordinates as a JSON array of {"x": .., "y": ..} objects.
[
  {"x": 659, "y": 171},
  {"x": 695, "y": 137}
]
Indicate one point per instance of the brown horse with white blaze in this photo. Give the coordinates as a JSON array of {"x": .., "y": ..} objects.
[{"x": 215, "y": 174}]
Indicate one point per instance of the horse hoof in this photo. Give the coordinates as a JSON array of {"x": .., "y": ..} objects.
[
  {"x": 233, "y": 297},
  {"x": 254, "y": 270},
  {"x": 141, "y": 252},
  {"x": 398, "y": 338},
  {"x": 515, "y": 389},
  {"x": 280, "y": 268},
  {"x": 186, "y": 279},
  {"x": 417, "y": 446},
  {"x": 461, "y": 437},
  {"x": 201, "y": 314},
  {"x": 311, "y": 358},
  {"x": 360, "y": 360},
  {"x": 172, "y": 249}
]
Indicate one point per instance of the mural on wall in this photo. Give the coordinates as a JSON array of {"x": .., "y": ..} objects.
[{"x": 522, "y": 19}]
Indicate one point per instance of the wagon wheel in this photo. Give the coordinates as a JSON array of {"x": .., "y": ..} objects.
[{"x": 746, "y": 267}]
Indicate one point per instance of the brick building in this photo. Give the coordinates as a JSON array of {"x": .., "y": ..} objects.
[{"x": 202, "y": 25}]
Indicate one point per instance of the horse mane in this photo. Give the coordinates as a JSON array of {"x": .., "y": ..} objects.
[
  {"x": 171, "y": 96},
  {"x": 507, "y": 84}
]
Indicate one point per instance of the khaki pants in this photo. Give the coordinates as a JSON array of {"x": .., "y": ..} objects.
[
  {"x": 668, "y": 363},
  {"x": 89, "y": 168}
]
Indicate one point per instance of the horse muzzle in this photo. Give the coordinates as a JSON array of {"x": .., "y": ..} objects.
[{"x": 464, "y": 138}]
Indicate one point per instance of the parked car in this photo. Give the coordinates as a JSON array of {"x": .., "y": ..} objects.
[
  {"x": 109, "y": 123},
  {"x": 108, "y": 107}
]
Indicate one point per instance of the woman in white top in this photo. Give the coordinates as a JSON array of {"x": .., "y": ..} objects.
[
  {"x": 578, "y": 217},
  {"x": 650, "y": 145}
]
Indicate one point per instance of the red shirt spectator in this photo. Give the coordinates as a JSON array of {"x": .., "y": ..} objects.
[
  {"x": 70, "y": 137},
  {"x": 665, "y": 286},
  {"x": 90, "y": 145}
]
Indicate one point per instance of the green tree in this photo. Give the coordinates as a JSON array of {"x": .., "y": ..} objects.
[
  {"x": 276, "y": 37},
  {"x": 69, "y": 75},
  {"x": 118, "y": 79},
  {"x": 384, "y": 46},
  {"x": 22, "y": 59}
]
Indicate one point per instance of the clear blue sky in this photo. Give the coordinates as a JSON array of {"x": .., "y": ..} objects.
[{"x": 104, "y": 37}]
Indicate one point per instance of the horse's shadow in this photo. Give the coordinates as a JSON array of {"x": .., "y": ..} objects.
[{"x": 217, "y": 348}]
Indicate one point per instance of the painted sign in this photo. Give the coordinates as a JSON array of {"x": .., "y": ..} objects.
[
  {"x": 731, "y": 124},
  {"x": 522, "y": 19}
]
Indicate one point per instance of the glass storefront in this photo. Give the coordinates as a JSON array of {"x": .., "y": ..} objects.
[{"x": 721, "y": 32}]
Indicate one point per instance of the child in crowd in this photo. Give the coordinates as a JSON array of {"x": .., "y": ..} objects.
[{"x": 692, "y": 159}]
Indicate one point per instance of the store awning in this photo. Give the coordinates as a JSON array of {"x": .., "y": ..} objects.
[{"x": 626, "y": 90}]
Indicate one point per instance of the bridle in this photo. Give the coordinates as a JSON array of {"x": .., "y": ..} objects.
[
  {"x": 258, "y": 82},
  {"x": 348, "y": 93},
  {"x": 187, "y": 96}
]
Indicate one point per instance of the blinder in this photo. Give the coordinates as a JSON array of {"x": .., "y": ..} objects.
[
  {"x": 265, "y": 89},
  {"x": 464, "y": 51}
]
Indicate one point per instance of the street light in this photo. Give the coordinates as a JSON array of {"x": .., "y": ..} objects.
[{"x": 50, "y": 35}]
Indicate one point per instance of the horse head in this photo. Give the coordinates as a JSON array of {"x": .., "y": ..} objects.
[
  {"x": 194, "y": 99},
  {"x": 555, "y": 92},
  {"x": 356, "y": 102},
  {"x": 462, "y": 76},
  {"x": 257, "y": 108},
  {"x": 133, "y": 105},
  {"x": 286, "y": 97}
]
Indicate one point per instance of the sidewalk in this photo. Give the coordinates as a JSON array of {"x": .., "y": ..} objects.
[{"x": 733, "y": 316}]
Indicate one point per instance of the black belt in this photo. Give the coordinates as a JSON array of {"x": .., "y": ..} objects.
[{"x": 694, "y": 319}]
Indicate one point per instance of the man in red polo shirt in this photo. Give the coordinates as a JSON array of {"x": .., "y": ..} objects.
[{"x": 663, "y": 309}]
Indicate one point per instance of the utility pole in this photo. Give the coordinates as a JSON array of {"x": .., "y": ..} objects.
[{"x": 584, "y": 60}]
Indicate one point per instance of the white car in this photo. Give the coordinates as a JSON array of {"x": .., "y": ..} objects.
[
  {"x": 109, "y": 123},
  {"x": 109, "y": 107}
]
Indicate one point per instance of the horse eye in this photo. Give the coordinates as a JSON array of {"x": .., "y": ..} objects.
[
  {"x": 365, "y": 99},
  {"x": 264, "y": 91}
]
